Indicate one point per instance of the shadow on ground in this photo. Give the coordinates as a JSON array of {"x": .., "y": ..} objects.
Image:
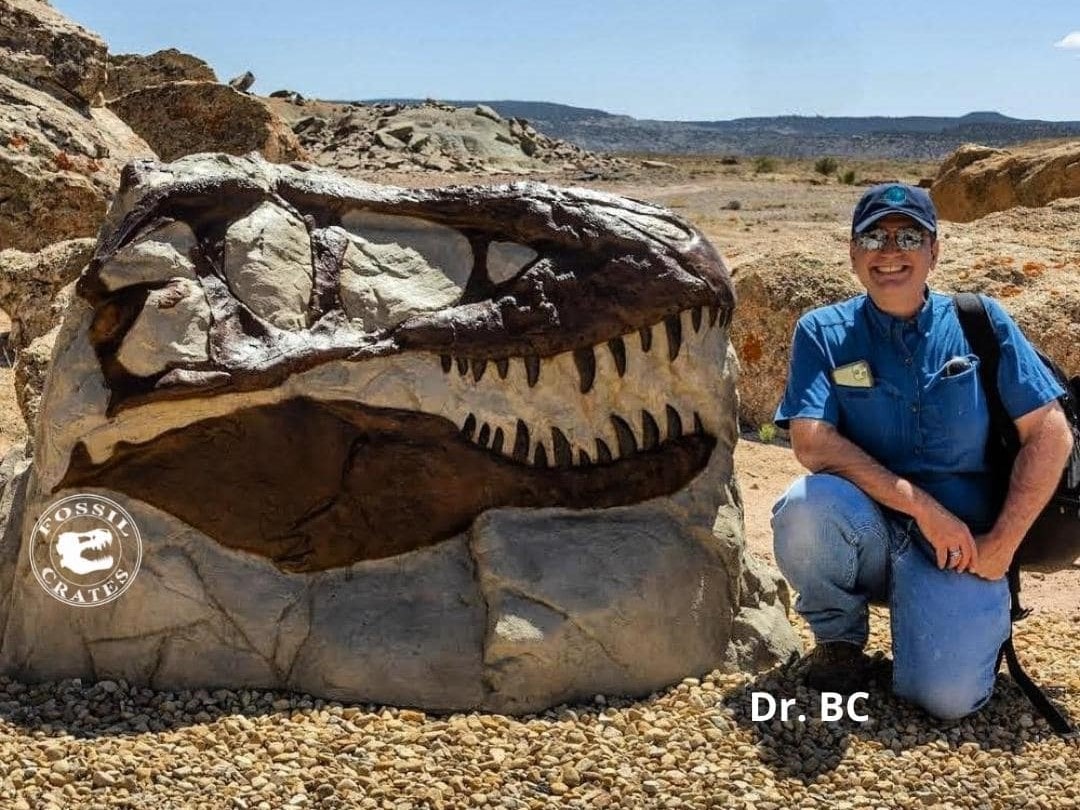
[{"x": 805, "y": 750}]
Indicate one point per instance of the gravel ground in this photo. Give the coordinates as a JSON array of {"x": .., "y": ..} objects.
[{"x": 70, "y": 745}]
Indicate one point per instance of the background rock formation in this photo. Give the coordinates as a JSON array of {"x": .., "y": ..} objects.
[
  {"x": 434, "y": 137},
  {"x": 977, "y": 180},
  {"x": 181, "y": 118},
  {"x": 59, "y": 166},
  {"x": 42, "y": 48},
  {"x": 129, "y": 72}
]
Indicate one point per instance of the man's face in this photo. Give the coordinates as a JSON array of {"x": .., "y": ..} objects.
[{"x": 895, "y": 278}]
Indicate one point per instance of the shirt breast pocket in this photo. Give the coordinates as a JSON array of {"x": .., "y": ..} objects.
[
  {"x": 957, "y": 417},
  {"x": 872, "y": 418}
]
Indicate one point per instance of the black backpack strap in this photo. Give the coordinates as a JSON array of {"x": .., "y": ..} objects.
[{"x": 979, "y": 332}]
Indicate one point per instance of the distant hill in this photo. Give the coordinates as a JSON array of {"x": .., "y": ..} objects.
[{"x": 919, "y": 137}]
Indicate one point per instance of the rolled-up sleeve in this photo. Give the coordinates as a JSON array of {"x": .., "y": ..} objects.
[
  {"x": 809, "y": 393},
  {"x": 1024, "y": 380}
]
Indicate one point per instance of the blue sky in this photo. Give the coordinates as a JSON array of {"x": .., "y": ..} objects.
[{"x": 686, "y": 59}]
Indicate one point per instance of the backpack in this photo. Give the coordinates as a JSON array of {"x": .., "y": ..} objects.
[{"x": 1053, "y": 542}]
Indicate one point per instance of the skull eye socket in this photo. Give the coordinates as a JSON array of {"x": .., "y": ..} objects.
[{"x": 506, "y": 259}]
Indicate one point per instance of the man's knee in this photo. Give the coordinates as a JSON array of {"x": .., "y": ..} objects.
[
  {"x": 812, "y": 502},
  {"x": 946, "y": 698}
]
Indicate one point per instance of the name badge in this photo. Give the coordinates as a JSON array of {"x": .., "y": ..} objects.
[{"x": 854, "y": 375}]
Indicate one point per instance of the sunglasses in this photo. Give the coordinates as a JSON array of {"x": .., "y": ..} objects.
[{"x": 906, "y": 238}]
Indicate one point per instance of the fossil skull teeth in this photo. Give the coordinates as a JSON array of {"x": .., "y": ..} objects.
[{"x": 627, "y": 395}]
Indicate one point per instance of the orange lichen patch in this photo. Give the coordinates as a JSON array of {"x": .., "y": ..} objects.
[
  {"x": 993, "y": 261},
  {"x": 1034, "y": 269},
  {"x": 1009, "y": 291},
  {"x": 18, "y": 142},
  {"x": 64, "y": 162},
  {"x": 751, "y": 350}
]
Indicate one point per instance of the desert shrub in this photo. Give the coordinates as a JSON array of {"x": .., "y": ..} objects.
[
  {"x": 764, "y": 165},
  {"x": 826, "y": 165},
  {"x": 729, "y": 160},
  {"x": 848, "y": 177},
  {"x": 733, "y": 205},
  {"x": 767, "y": 433}
]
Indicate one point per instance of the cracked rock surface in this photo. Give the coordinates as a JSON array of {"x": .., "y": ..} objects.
[{"x": 408, "y": 477}]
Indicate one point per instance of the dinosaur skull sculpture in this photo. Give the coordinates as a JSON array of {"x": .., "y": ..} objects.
[
  {"x": 454, "y": 448},
  {"x": 323, "y": 373}
]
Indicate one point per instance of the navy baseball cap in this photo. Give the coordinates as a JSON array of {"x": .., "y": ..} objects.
[{"x": 894, "y": 198}]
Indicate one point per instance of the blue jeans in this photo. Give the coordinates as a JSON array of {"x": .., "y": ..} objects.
[{"x": 841, "y": 550}]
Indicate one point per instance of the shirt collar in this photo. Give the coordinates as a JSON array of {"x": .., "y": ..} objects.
[{"x": 884, "y": 323}]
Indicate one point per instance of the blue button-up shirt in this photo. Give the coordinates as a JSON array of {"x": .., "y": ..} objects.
[{"x": 915, "y": 419}]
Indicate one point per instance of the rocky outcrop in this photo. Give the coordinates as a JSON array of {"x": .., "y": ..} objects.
[
  {"x": 518, "y": 496},
  {"x": 182, "y": 118},
  {"x": 438, "y": 137},
  {"x": 773, "y": 292},
  {"x": 40, "y": 47},
  {"x": 129, "y": 72},
  {"x": 976, "y": 180},
  {"x": 31, "y": 286},
  {"x": 29, "y": 283},
  {"x": 58, "y": 167}
]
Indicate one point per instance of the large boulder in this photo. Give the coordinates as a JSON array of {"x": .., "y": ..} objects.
[
  {"x": 511, "y": 490},
  {"x": 129, "y": 72},
  {"x": 59, "y": 167},
  {"x": 976, "y": 180},
  {"x": 433, "y": 136},
  {"x": 182, "y": 118},
  {"x": 41, "y": 47},
  {"x": 773, "y": 292}
]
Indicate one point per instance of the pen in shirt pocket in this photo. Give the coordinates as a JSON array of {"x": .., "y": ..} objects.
[{"x": 956, "y": 366}]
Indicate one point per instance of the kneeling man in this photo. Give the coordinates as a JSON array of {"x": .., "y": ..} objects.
[{"x": 886, "y": 409}]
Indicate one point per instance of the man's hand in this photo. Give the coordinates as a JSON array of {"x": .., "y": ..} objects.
[
  {"x": 995, "y": 555},
  {"x": 944, "y": 531}
]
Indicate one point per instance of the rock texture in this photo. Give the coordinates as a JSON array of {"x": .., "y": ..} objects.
[
  {"x": 29, "y": 283},
  {"x": 42, "y": 48},
  {"x": 338, "y": 507},
  {"x": 129, "y": 72},
  {"x": 35, "y": 289},
  {"x": 182, "y": 118},
  {"x": 773, "y": 293},
  {"x": 435, "y": 137},
  {"x": 977, "y": 180},
  {"x": 59, "y": 167}
]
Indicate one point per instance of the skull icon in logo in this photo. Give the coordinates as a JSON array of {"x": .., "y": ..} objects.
[{"x": 85, "y": 550}]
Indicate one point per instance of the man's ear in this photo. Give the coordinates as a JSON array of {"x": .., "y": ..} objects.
[
  {"x": 851, "y": 251},
  {"x": 934, "y": 245}
]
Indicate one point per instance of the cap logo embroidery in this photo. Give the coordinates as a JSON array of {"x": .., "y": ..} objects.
[{"x": 895, "y": 195}]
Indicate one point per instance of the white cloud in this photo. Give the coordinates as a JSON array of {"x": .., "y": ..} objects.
[{"x": 1071, "y": 41}]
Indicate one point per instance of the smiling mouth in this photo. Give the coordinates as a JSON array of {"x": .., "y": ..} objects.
[{"x": 585, "y": 380}]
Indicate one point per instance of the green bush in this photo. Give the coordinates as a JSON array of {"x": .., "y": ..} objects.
[
  {"x": 826, "y": 166},
  {"x": 848, "y": 177},
  {"x": 764, "y": 165},
  {"x": 767, "y": 433}
]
